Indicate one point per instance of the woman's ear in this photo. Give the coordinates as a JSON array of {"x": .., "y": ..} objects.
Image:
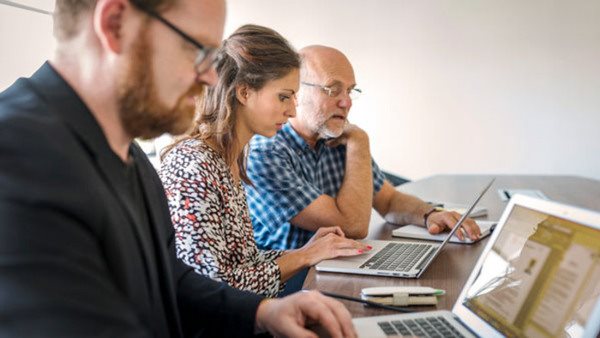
[{"x": 241, "y": 93}]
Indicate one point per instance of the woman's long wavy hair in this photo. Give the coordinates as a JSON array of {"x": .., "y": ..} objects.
[{"x": 251, "y": 56}]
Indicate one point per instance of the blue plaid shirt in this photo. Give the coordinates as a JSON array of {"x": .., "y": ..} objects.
[{"x": 287, "y": 176}]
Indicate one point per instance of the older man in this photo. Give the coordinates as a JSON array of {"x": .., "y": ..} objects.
[
  {"x": 317, "y": 171},
  {"x": 86, "y": 243}
]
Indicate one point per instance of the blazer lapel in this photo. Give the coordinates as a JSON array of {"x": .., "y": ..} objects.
[
  {"x": 160, "y": 224},
  {"x": 65, "y": 103}
]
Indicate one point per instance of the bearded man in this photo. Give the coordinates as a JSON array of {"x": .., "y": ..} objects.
[
  {"x": 318, "y": 171},
  {"x": 86, "y": 241}
]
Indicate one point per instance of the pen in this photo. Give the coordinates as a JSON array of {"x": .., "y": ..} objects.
[
  {"x": 366, "y": 302},
  {"x": 506, "y": 194}
]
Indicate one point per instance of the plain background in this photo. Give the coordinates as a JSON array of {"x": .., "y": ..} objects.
[{"x": 450, "y": 86}]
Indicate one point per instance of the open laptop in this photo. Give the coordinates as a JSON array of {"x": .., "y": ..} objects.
[
  {"x": 538, "y": 276},
  {"x": 395, "y": 258}
]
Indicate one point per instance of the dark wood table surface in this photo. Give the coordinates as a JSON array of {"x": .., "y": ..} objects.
[{"x": 452, "y": 267}]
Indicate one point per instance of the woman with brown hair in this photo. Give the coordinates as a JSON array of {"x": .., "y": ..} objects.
[{"x": 203, "y": 172}]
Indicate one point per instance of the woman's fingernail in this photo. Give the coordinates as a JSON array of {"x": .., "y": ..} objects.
[
  {"x": 369, "y": 247},
  {"x": 360, "y": 251}
]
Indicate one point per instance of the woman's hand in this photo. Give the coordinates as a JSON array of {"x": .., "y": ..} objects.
[{"x": 330, "y": 242}]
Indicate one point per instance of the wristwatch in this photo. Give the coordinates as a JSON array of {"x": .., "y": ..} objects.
[{"x": 427, "y": 214}]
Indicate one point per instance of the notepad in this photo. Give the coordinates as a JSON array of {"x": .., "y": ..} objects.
[
  {"x": 419, "y": 232},
  {"x": 507, "y": 194}
]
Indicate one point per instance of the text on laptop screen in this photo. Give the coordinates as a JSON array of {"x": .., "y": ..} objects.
[{"x": 540, "y": 279}]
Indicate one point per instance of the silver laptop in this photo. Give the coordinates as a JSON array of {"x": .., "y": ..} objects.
[
  {"x": 538, "y": 276},
  {"x": 395, "y": 258}
]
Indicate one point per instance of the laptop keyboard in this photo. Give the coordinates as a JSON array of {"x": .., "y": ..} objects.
[
  {"x": 420, "y": 327},
  {"x": 396, "y": 257}
]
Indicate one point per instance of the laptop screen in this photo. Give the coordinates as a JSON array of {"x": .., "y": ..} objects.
[{"x": 540, "y": 278}]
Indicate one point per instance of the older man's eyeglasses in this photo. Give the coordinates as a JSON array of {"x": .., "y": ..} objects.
[
  {"x": 336, "y": 90},
  {"x": 206, "y": 56}
]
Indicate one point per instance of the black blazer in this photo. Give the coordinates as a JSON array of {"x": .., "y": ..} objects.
[{"x": 75, "y": 257}]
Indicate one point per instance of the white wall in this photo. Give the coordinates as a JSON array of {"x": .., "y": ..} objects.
[
  {"x": 461, "y": 86},
  {"x": 26, "y": 40},
  {"x": 451, "y": 86}
]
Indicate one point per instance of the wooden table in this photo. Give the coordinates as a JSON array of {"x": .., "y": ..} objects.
[{"x": 452, "y": 267}]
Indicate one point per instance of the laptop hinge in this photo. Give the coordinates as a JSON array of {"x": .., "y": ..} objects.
[
  {"x": 427, "y": 258},
  {"x": 464, "y": 325}
]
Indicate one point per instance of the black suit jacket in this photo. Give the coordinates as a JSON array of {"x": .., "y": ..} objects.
[{"x": 75, "y": 257}]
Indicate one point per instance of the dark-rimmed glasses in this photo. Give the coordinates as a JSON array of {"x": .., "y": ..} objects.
[
  {"x": 335, "y": 90},
  {"x": 206, "y": 56}
]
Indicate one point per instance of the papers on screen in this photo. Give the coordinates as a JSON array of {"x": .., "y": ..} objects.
[{"x": 419, "y": 232}]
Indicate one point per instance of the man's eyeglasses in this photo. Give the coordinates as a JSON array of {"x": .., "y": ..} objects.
[
  {"x": 335, "y": 90},
  {"x": 206, "y": 56}
]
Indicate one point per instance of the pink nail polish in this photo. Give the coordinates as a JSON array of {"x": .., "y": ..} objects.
[{"x": 360, "y": 251}]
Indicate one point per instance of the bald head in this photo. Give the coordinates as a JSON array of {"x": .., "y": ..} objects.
[{"x": 319, "y": 61}]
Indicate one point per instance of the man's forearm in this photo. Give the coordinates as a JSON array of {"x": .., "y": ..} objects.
[
  {"x": 355, "y": 197},
  {"x": 406, "y": 209}
]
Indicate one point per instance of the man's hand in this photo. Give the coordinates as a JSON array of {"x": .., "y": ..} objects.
[
  {"x": 289, "y": 316},
  {"x": 440, "y": 221},
  {"x": 351, "y": 133}
]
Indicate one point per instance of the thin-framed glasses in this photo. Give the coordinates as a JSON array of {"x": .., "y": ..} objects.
[
  {"x": 206, "y": 56},
  {"x": 335, "y": 90}
]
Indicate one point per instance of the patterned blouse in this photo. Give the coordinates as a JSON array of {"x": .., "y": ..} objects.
[{"x": 212, "y": 225}]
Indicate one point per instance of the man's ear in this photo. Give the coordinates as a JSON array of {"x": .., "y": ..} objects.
[
  {"x": 241, "y": 93},
  {"x": 108, "y": 23}
]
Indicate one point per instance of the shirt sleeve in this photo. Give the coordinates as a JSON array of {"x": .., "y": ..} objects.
[
  {"x": 378, "y": 177},
  {"x": 278, "y": 193},
  {"x": 197, "y": 205},
  {"x": 269, "y": 255}
]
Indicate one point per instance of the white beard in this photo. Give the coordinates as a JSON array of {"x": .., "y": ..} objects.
[{"x": 326, "y": 133}]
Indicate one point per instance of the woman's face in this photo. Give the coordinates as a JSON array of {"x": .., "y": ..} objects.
[{"x": 268, "y": 109}]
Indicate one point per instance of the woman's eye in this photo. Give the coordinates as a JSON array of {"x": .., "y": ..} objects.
[{"x": 282, "y": 98}]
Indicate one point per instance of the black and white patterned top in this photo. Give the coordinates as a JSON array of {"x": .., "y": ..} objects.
[{"x": 212, "y": 225}]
